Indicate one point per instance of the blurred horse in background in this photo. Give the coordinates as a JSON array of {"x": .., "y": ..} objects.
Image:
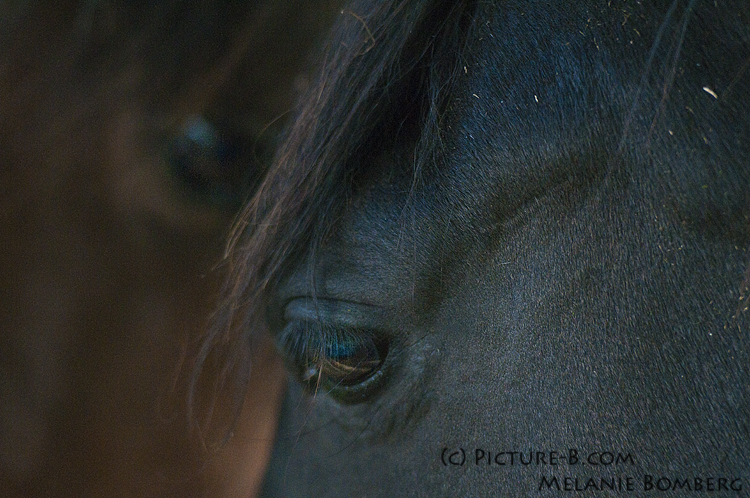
[{"x": 130, "y": 133}]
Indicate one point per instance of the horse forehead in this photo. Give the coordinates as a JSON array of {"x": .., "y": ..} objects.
[
  {"x": 545, "y": 98},
  {"x": 553, "y": 92}
]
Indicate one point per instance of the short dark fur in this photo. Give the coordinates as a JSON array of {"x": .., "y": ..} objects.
[{"x": 567, "y": 214}]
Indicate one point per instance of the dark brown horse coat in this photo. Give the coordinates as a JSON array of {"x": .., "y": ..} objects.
[{"x": 129, "y": 134}]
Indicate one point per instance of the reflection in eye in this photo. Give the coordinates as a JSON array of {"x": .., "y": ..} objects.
[
  {"x": 347, "y": 362},
  {"x": 207, "y": 163}
]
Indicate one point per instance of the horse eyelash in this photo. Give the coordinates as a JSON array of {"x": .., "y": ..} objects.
[{"x": 316, "y": 338}]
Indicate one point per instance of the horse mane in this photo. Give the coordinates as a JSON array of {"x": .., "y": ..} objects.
[{"x": 386, "y": 63}]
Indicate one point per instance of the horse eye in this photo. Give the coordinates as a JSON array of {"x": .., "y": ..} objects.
[
  {"x": 348, "y": 360},
  {"x": 206, "y": 163},
  {"x": 345, "y": 362}
]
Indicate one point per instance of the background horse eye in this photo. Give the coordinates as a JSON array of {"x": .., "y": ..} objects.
[
  {"x": 211, "y": 164},
  {"x": 347, "y": 363}
]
